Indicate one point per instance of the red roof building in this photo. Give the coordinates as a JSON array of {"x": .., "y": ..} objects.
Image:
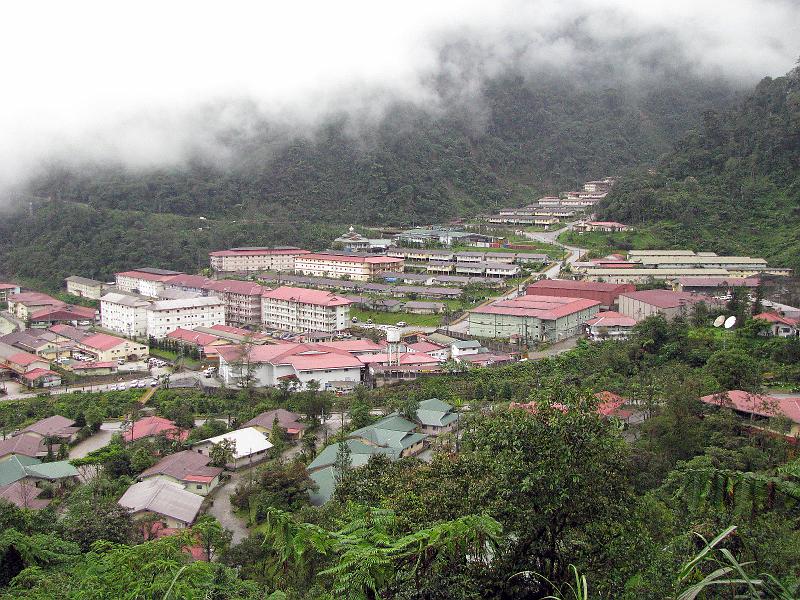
[
  {"x": 752, "y": 404},
  {"x": 305, "y": 296},
  {"x": 605, "y": 293},
  {"x": 153, "y": 426}
]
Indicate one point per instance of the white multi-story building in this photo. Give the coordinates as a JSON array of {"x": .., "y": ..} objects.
[
  {"x": 124, "y": 313},
  {"x": 281, "y": 258},
  {"x": 301, "y": 309},
  {"x": 147, "y": 282},
  {"x": 165, "y": 316},
  {"x": 358, "y": 267}
]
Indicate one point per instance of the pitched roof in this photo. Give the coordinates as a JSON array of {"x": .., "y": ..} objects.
[
  {"x": 186, "y": 303},
  {"x": 306, "y": 296},
  {"x": 776, "y": 318},
  {"x": 287, "y": 420},
  {"x": 102, "y": 341},
  {"x": 546, "y": 308},
  {"x": 347, "y": 257},
  {"x": 152, "y": 426},
  {"x": 570, "y": 284},
  {"x": 164, "y": 498},
  {"x": 666, "y": 298},
  {"x": 13, "y": 468},
  {"x": 25, "y": 445},
  {"x": 234, "y": 286},
  {"x": 50, "y": 425},
  {"x": 393, "y": 432},
  {"x": 425, "y": 346},
  {"x": 248, "y": 441},
  {"x": 192, "y": 337},
  {"x": 149, "y": 274},
  {"x": 434, "y": 412},
  {"x": 38, "y": 373},
  {"x": 762, "y": 405},
  {"x": 300, "y": 356},
  {"x": 24, "y": 495},
  {"x": 183, "y": 466}
]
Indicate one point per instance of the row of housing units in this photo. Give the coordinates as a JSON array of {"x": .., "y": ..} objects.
[
  {"x": 553, "y": 310},
  {"x": 641, "y": 266},
  {"x": 546, "y": 212},
  {"x": 366, "y": 266}
]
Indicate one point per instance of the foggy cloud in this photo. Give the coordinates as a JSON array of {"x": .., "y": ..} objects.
[{"x": 147, "y": 82}]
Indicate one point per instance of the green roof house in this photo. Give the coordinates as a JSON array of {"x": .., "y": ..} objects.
[
  {"x": 436, "y": 417},
  {"x": 392, "y": 436},
  {"x": 21, "y": 478}
]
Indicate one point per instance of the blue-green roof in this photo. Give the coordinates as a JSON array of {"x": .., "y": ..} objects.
[
  {"x": 18, "y": 467},
  {"x": 434, "y": 412}
]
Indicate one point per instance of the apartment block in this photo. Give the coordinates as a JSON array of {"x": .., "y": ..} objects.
[
  {"x": 355, "y": 266},
  {"x": 164, "y": 316},
  {"x": 280, "y": 258},
  {"x": 301, "y": 309}
]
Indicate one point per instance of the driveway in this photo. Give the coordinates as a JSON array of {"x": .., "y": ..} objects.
[
  {"x": 222, "y": 509},
  {"x": 97, "y": 441}
]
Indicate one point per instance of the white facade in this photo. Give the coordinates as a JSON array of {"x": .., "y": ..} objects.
[
  {"x": 358, "y": 268},
  {"x": 289, "y": 315},
  {"x": 269, "y": 375},
  {"x": 165, "y": 316},
  {"x": 125, "y": 314},
  {"x": 139, "y": 285}
]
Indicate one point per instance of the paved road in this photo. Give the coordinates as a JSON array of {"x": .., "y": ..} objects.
[
  {"x": 97, "y": 441},
  {"x": 551, "y": 237},
  {"x": 222, "y": 508}
]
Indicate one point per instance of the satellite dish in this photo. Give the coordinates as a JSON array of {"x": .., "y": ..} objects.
[
  {"x": 730, "y": 322},
  {"x": 719, "y": 321}
]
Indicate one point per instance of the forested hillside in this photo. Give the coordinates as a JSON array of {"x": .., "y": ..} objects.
[
  {"x": 732, "y": 184},
  {"x": 524, "y": 137}
]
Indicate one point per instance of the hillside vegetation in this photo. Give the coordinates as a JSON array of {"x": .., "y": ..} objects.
[
  {"x": 525, "y": 137},
  {"x": 731, "y": 185}
]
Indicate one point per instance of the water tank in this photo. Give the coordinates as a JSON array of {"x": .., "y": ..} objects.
[{"x": 392, "y": 334}]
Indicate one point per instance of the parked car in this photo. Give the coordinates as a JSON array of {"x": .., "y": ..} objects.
[{"x": 402, "y": 324}]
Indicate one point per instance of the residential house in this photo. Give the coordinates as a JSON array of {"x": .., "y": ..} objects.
[
  {"x": 424, "y": 346},
  {"x": 23, "y": 479},
  {"x": 250, "y": 446},
  {"x": 175, "y": 507},
  {"x": 45, "y": 344},
  {"x": 153, "y": 426},
  {"x": 605, "y": 226},
  {"x": 188, "y": 468},
  {"x": 33, "y": 440},
  {"x": 779, "y": 325},
  {"x": 301, "y": 309},
  {"x": 86, "y": 288},
  {"x": 759, "y": 408},
  {"x": 353, "y": 241},
  {"x": 435, "y": 417},
  {"x": 609, "y": 325},
  {"x": 280, "y": 258},
  {"x": 288, "y": 421},
  {"x": 392, "y": 436},
  {"x": 418, "y": 307},
  {"x": 461, "y": 348}
]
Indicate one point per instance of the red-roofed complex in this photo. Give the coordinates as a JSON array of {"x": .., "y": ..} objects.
[
  {"x": 256, "y": 259},
  {"x": 356, "y": 266},
  {"x": 242, "y": 300},
  {"x": 532, "y": 318},
  {"x": 762, "y": 406},
  {"x": 66, "y": 314},
  {"x": 298, "y": 363},
  {"x": 153, "y": 426},
  {"x": 25, "y": 304},
  {"x": 605, "y": 293},
  {"x": 643, "y": 304},
  {"x": 302, "y": 309}
]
